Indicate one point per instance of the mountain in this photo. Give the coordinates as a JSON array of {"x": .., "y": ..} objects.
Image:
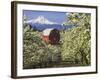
[
  {"x": 41, "y": 20},
  {"x": 41, "y": 23}
]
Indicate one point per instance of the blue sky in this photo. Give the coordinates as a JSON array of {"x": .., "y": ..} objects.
[{"x": 58, "y": 17}]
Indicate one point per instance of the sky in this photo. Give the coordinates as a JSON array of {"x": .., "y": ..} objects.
[{"x": 58, "y": 17}]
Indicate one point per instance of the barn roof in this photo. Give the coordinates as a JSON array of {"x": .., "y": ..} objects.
[{"x": 47, "y": 31}]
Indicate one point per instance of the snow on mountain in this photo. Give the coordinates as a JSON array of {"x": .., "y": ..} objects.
[{"x": 41, "y": 20}]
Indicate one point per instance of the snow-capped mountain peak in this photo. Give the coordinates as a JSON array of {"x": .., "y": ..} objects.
[{"x": 41, "y": 20}]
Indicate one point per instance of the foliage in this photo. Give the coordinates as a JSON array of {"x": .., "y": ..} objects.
[
  {"x": 36, "y": 51},
  {"x": 76, "y": 44}
]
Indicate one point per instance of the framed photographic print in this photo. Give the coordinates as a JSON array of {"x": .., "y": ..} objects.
[{"x": 51, "y": 39}]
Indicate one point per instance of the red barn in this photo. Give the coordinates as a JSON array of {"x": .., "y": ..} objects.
[{"x": 51, "y": 36}]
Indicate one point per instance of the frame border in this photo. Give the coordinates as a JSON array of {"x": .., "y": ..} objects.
[{"x": 14, "y": 38}]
